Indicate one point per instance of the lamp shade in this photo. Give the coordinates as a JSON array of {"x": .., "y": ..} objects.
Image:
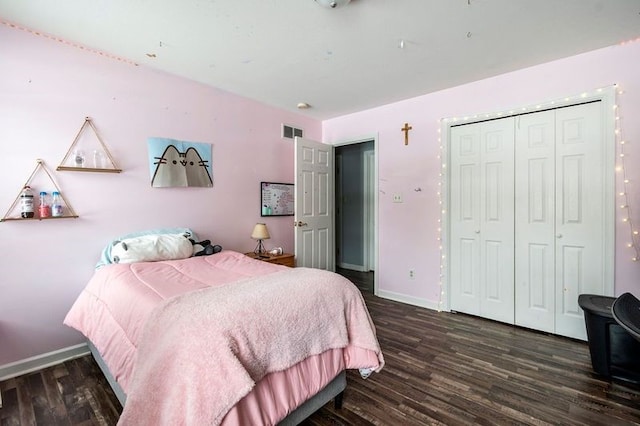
[{"x": 260, "y": 232}]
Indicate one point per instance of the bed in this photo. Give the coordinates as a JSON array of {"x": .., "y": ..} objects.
[{"x": 224, "y": 339}]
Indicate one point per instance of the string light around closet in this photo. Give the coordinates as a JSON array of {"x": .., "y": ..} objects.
[
  {"x": 625, "y": 206},
  {"x": 624, "y": 182}
]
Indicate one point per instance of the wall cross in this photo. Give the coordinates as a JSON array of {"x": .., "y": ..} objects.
[{"x": 406, "y": 129}]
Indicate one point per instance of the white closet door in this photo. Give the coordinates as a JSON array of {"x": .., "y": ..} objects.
[
  {"x": 464, "y": 211},
  {"x": 580, "y": 213},
  {"x": 560, "y": 211},
  {"x": 482, "y": 219},
  {"x": 531, "y": 220},
  {"x": 535, "y": 221},
  {"x": 497, "y": 220}
]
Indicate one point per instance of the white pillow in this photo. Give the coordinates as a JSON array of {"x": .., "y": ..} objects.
[
  {"x": 151, "y": 248},
  {"x": 105, "y": 255}
]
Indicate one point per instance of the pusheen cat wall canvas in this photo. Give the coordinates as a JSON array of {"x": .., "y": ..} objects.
[{"x": 174, "y": 163}]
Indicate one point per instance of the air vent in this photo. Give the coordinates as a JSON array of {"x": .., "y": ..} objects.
[{"x": 289, "y": 132}]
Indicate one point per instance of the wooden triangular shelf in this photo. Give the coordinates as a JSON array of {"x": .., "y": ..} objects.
[
  {"x": 113, "y": 169},
  {"x": 70, "y": 212}
]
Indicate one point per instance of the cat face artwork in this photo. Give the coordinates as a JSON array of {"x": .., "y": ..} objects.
[
  {"x": 196, "y": 168},
  {"x": 174, "y": 168}
]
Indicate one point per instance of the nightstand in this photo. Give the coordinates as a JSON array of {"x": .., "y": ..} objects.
[{"x": 286, "y": 259}]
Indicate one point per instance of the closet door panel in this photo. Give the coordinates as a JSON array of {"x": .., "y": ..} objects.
[
  {"x": 572, "y": 193},
  {"x": 467, "y": 265},
  {"x": 464, "y": 210},
  {"x": 571, "y": 269},
  {"x": 539, "y": 294},
  {"x": 580, "y": 204},
  {"x": 539, "y": 191},
  {"x": 497, "y": 218},
  {"x": 468, "y": 198},
  {"x": 493, "y": 291},
  {"x": 535, "y": 221}
]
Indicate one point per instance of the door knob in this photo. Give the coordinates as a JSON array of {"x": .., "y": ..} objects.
[
  {"x": 299, "y": 223},
  {"x": 559, "y": 236}
]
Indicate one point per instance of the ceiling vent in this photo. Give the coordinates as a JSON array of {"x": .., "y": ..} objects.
[{"x": 290, "y": 132}]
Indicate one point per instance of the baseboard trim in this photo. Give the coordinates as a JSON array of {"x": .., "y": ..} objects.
[
  {"x": 409, "y": 300},
  {"x": 38, "y": 362}
]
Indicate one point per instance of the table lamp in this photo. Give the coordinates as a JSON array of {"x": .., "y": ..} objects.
[{"x": 260, "y": 233}]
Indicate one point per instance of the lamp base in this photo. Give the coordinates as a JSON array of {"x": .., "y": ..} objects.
[{"x": 260, "y": 251}]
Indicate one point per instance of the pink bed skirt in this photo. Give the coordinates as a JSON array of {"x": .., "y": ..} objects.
[{"x": 279, "y": 393}]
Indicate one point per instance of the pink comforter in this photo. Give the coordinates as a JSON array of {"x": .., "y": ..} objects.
[
  {"x": 113, "y": 308},
  {"x": 153, "y": 335}
]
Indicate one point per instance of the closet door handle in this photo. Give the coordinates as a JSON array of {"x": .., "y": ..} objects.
[
  {"x": 477, "y": 231},
  {"x": 558, "y": 236}
]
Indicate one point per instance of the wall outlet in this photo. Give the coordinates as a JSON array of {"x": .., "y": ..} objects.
[
  {"x": 412, "y": 273},
  {"x": 397, "y": 198}
]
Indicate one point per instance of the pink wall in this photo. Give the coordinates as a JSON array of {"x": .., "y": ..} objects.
[
  {"x": 46, "y": 89},
  {"x": 408, "y": 231}
]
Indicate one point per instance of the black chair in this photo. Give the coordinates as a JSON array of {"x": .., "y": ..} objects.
[
  {"x": 626, "y": 311},
  {"x": 615, "y": 352}
]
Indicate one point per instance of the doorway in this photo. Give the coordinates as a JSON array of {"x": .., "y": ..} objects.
[{"x": 355, "y": 213}]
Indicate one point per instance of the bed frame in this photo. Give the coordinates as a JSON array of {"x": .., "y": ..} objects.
[{"x": 334, "y": 390}]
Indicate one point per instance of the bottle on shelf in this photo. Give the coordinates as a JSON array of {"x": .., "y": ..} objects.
[
  {"x": 56, "y": 205},
  {"x": 26, "y": 202},
  {"x": 97, "y": 159},
  {"x": 44, "y": 209}
]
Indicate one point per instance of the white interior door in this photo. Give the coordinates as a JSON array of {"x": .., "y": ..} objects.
[
  {"x": 561, "y": 217},
  {"x": 580, "y": 213},
  {"x": 535, "y": 221},
  {"x": 482, "y": 219},
  {"x": 497, "y": 220},
  {"x": 313, "y": 220},
  {"x": 464, "y": 211}
]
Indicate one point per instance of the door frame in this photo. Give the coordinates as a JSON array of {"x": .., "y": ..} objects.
[
  {"x": 375, "y": 204},
  {"x": 337, "y": 179},
  {"x": 607, "y": 95},
  {"x": 369, "y": 209}
]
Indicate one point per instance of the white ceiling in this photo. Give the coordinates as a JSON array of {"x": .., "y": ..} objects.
[{"x": 343, "y": 60}]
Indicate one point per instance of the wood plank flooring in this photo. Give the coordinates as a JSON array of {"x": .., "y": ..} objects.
[
  {"x": 455, "y": 369},
  {"x": 72, "y": 393},
  {"x": 363, "y": 280},
  {"x": 441, "y": 369}
]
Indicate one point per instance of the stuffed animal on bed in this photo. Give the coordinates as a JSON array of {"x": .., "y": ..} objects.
[
  {"x": 204, "y": 248},
  {"x": 151, "y": 248}
]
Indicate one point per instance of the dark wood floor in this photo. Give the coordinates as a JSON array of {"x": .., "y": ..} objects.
[
  {"x": 363, "y": 280},
  {"x": 455, "y": 369},
  {"x": 442, "y": 368},
  {"x": 72, "y": 393}
]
